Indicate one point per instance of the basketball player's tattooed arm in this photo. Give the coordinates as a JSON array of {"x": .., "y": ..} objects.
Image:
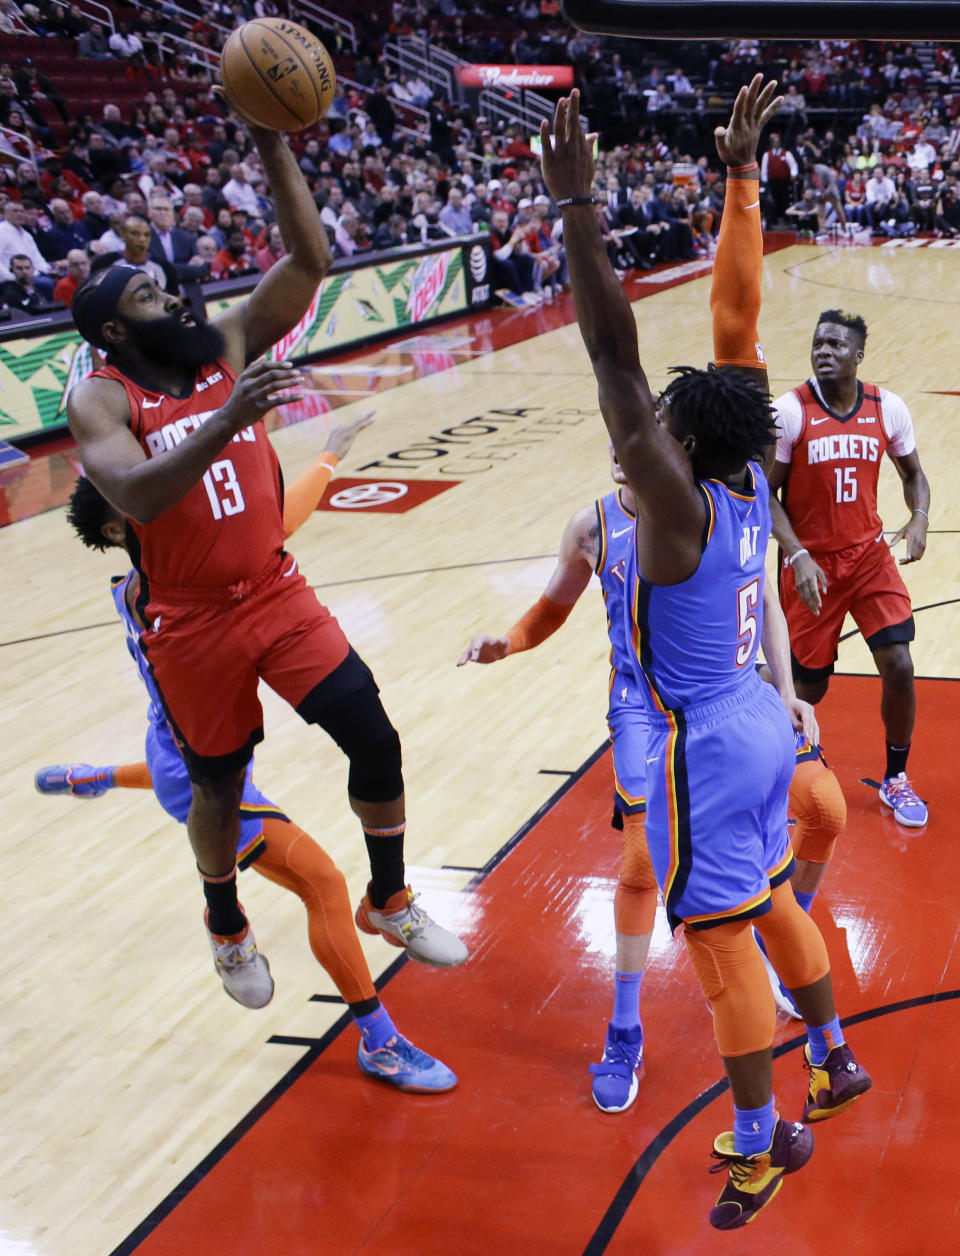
[
  {"x": 775, "y": 641},
  {"x": 576, "y": 562},
  {"x": 670, "y": 507},
  {"x": 143, "y": 488},
  {"x": 916, "y": 493},
  {"x": 809, "y": 576},
  {"x": 283, "y": 295}
]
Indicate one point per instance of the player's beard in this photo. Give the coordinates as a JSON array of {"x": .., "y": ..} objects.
[{"x": 170, "y": 341}]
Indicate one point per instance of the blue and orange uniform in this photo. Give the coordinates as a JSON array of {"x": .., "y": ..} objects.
[
  {"x": 626, "y": 718},
  {"x": 720, "y": 745},
  {"x": 168, "y": 772}
]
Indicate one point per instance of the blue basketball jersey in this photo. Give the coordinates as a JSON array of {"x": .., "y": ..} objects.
[
  {"x": 118, "y": 587},
  {"x": 616, "y": 527},
  {"x": 697, "y": 641}
]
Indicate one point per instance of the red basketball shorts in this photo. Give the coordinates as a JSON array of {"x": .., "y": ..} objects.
[
  {"x": 862, "y": 580},
  {"x": 208, "y": 649}
]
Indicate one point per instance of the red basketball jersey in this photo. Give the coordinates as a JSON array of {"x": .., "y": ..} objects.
[
  {"x": 227, "y": 528},
  {"x": 831, "y": 488}
]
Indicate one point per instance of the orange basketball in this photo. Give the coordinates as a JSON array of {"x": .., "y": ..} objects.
[{"x": 277, "y": 75}]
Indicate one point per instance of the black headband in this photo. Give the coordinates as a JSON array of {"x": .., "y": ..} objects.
[{"x": 98, "y": 303}]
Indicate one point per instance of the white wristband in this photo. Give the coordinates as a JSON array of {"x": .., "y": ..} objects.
[
  {"x": 917, "y": 511},
  {"x": 793, "y": 557}
]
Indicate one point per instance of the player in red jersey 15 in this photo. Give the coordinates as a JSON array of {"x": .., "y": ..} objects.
[
  {"x": 170, "y": 432},
  {"x": 833, "y": 433}
]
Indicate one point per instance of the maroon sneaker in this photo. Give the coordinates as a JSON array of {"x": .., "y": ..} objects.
[
  {"x": 753, "y": 1181},
  {"x": 834, "y": 1084}
]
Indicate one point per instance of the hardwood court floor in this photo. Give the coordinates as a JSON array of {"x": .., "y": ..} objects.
[{"x": 126, "y": 1066}]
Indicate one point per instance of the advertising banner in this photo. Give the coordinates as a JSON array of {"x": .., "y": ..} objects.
[
  {"x": 38, "y": 372},
  {"x": 536, "y": 76}
]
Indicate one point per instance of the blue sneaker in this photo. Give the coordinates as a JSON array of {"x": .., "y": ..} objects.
[
  {"x": 405, "y": 1066},
  {"x": 896, "y": 792},
  {"x": 615, "y": 1081},
  {"x": 79, "y": 779}
]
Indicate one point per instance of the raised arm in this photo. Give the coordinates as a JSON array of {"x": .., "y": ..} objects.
[
  {"x": 283, "y": 295},
  {"x": 738, "y": 264},
  {"x": 303, "y": 496},
  {"x": 579, "y": 550},
  {"x": 655, "y": 464}
]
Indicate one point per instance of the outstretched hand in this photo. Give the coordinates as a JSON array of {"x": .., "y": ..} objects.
[
  {"x": 567, "y": 155},
  {"x": 752, "y": 110},
  {"x": 341, "y": 438}
]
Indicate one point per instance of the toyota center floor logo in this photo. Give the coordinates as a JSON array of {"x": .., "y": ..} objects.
[
  {"x": 478, "y": 263},
  {"x": 392, "y": 497},
  {"x": 373, "y": 493}
]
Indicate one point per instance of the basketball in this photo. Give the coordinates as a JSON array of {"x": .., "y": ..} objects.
[{"x": 277, "y": 75}]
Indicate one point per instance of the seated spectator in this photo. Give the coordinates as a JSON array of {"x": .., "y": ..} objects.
[
  {"x": 947, "y": 217},
  {"x": 271, "y": 252},
  {"x": 64, "y": 234},
  {"x": 455, "y": 218},
  {"x": 20, "y": 292},
  {"x": 94, "y": 219},
  {"x": 33, "y": 86},
  {"x": 135, "y": 234},
  {"x": 16, "y": 239},
  {"x": 233, "y": 259},
  {"x": 239, "y": 191},
  {"x": 123, "y": 43},
  {"x": 169, "y": 242},
  {"x": 392, "y": 234},
  {"x": 78, "y": 268},
  {"x": 511, "y": 264},
  {"x": 207, "y": 250},
  {"x": 881, "y": 197},
  {"x": 93, "y": 45},
  {"x": 805, "y": 213}
]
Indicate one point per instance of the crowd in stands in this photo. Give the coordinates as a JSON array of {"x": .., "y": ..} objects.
[{"x": 867, "y": 141}]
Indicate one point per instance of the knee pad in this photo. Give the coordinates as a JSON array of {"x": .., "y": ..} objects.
[
  {"x": 635, "y": 902},
  {"x": 359, "y": 725},
  {"x": 730, "y": 970},
  {"x": 818, "y": 803}
]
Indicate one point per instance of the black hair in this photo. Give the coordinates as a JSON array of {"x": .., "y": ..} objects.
[
  {"x": 87, "y": 511},
  {"x": 728, "y": 412},
  {"x": 843, "y": 318}
]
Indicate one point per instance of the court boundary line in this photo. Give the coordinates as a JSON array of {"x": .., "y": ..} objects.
[
  {"x": 314, "y": 1047},
  {"x": 630, "y": 1186}
]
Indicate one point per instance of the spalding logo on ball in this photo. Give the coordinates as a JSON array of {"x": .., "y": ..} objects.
[{"x": 277, "y": 75}]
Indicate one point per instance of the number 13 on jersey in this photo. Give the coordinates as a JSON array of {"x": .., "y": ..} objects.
[{"x": 230, "y": 502}]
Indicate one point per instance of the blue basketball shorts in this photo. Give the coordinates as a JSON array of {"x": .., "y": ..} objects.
[
  {"x": 718, "y": 776},
  {"x": 628, "y": 726},
  {"x": 171, "y": 784}
]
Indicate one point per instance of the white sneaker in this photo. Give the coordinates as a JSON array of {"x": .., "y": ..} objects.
[
  {"x": 244, "y": 972},
  {"x": 405, "y": 924},
  {"x": 784, "y": 1004}
]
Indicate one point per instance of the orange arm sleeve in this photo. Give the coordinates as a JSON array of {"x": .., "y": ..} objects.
[
  {"x": 540, "y": 622},
  {"x": 737, "y": 267},
  {"x": 303, "y": 496}
]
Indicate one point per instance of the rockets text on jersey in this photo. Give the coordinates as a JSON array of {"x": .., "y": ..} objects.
[
  {"x": 229, "y": 526},
  {"x": 831, "y": 488}
]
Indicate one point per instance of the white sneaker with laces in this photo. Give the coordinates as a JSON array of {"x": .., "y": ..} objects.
[
  {"x": 244, "y": 972},
  {"x": 405, "y": 924}
]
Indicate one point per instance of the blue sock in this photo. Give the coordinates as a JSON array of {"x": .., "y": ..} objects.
[
  {"x": 805, "y": 900},
  {"x": 626, "y": 999},
  {"x": 753, "y": 1129},
  {"x": 376, "y": 1028},
  {"x": 823, "y": 1038}
]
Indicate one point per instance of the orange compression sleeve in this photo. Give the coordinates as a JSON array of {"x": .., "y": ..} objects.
[
  {"x": 303, "y": 496},
  {"x": 132, "y": 776},
  {"x": 737, "y": 268},
  {"x": 540, "y": 622}
]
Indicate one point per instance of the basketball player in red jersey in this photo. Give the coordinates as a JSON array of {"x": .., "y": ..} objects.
[
  {"x": 170, "y": 432},
  {"x": 833, "y": 432}
]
